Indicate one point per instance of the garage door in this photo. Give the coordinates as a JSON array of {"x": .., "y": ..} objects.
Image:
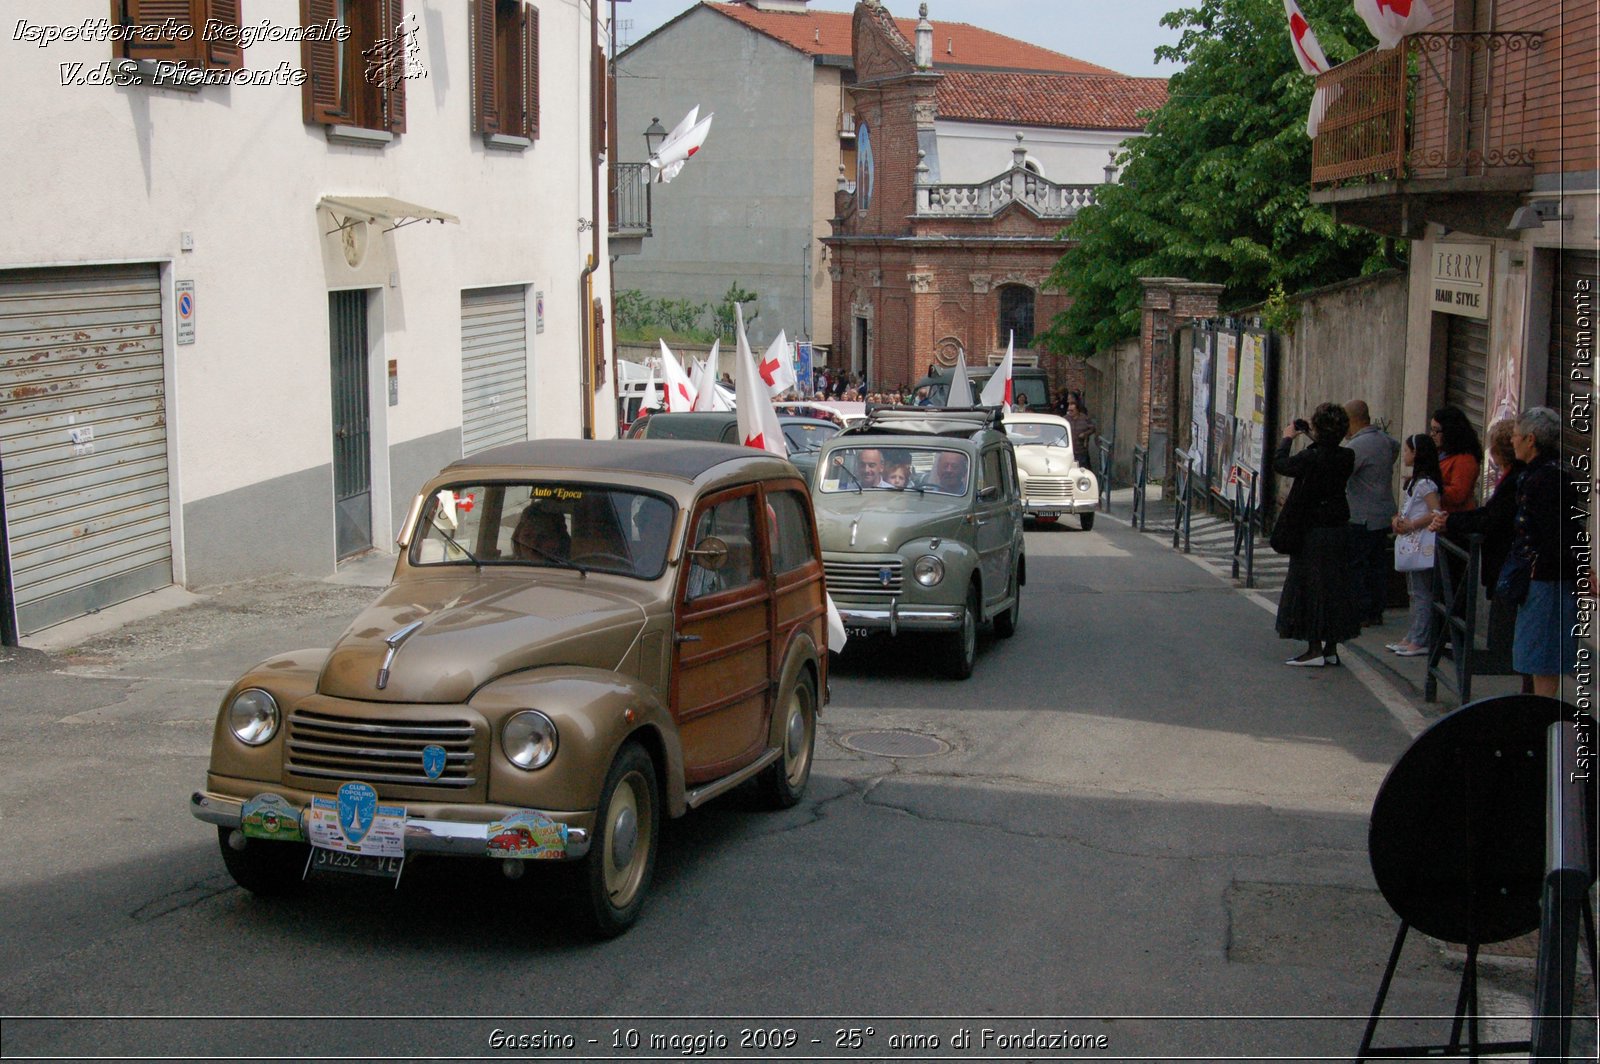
[
  {"x": 1466, "y": 368},
  {"x": 494, "y": 367},
  {"x": 82, "y": 439}
]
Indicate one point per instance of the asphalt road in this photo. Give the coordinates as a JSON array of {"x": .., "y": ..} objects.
[{"x": 1145, "y": 838}]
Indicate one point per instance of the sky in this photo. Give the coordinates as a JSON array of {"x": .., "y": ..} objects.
[{"x": 1120, "y": 34}]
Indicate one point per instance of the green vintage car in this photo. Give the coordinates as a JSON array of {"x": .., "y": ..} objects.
[{"x": 920, "y": 519}]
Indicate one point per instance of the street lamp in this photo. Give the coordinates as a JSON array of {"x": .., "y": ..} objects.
[{"x": 653, "y": 136}]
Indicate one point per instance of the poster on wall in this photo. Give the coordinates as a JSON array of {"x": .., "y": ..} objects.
[
  {"x": 1251, "y": 406},
  {"x": 1199, "y": 402},
  {"x": 1226, "y": 375}
]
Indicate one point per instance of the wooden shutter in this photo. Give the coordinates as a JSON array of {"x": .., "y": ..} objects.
[
  {"x": 225, "y": 54},
  {"x": 154, "y": 13},
  {"x": 530, "y": 76},
  {"x": 485, "y": 101},
  {"x": 393, "y": 93},
  {"x": 319, "y": 94}
]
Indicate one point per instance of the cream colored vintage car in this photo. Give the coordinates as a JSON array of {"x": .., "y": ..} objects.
[
  {"x": 1053, "y": 480},
  {"x": 580, "y": 637}
]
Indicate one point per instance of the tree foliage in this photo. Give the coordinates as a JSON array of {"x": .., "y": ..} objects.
[{"x": 1218, "y": 189}]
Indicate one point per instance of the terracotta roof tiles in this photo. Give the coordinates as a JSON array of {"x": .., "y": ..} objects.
[
  {"x": 1076, "y": 101},
  {"x": 955, "y": 44}
]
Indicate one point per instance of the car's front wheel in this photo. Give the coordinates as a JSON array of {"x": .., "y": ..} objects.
[
  {"x": 784, "y": 782},
  {"x": 1087, "y": 521},
  {"x": 622, "y": 854},
  {"x": 266, "y": 869},
  {"x": 961, "y": 649}
]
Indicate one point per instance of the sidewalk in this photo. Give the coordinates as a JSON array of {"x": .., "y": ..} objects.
[{"x": 1211, "y": 547}]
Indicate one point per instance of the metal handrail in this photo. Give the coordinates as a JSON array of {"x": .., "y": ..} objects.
[
  {"x": 1105, "y": 448},
  {"x": 1244, "y": 522},
  {"x": 630, "y": 199},
  {"x": 1460, "y": 630},
  {"x": 1183, "y": 514},
  {"x": 1141, "y": 472}
]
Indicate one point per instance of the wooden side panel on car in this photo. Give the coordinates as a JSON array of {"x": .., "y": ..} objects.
[{"x": 722, "y": 675}]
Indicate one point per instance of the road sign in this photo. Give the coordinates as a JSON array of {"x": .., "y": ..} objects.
[{"x": 185, "y": 309}]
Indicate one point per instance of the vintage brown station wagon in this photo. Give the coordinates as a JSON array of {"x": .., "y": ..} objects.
[{"x": 580, "y": 637}]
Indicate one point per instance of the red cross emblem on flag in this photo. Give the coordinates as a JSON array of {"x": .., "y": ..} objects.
[
  {"x": 466, "y": 503},
  {"x": 767, "y": 371}
]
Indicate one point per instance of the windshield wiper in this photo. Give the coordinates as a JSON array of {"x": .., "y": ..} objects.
[
  {"x": 843, "y": 472},
  {"x": 556, "y": 560},
  {"x": 473, "y": 558}
]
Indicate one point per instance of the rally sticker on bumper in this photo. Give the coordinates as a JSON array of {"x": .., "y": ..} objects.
[
  {"x": 356, "y": 823},
  {"x": 528, "y": 835},
  {"x": 270, "y": 816}
]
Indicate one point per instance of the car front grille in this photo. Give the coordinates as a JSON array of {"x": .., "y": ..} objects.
[
  {"x": 325, "y": 746},
  {"x": 863, "y": 578},
  {"x": 1055, "y": 489}
]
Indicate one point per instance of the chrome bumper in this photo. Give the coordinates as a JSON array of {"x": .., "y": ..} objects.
[
  {"x": 1057, "y": 508},
  {"x": 450, "y": 837},
  {"x": 896, "y": 617}
]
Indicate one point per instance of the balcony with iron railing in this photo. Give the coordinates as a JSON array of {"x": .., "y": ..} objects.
[
  {"x": 630, "y": 208},
  {"x": 1437, "y": 129}
]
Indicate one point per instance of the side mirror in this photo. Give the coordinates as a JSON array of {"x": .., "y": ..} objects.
[{"x": 710, "y": 553}]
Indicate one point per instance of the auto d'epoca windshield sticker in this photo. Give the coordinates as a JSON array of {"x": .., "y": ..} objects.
[
  {"x": 356, "y": 823},
  {"x": 270, "y": 816},
  {"x": 528, "y": 835}
]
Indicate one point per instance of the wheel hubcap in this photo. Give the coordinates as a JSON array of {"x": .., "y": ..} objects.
[
  {"x": 624, "y": 835},
  {"x": 797, "y": 732}
]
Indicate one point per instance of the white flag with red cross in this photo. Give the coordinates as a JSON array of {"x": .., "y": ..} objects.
[
  {"x": 777, "y": 366},
  {"x": 707, "y": 395},
  {"x": 1303, "y": 39},
  {"x": 960, "y": 393},
  {"x": 680, "y": 390},
  {"x": 1390, "y": 20},
  {"x": 1308, "y": 53},
  {"x": 998, "y": 391},
  {"x": 679, "y": 147},
  {"x": 757, "y": 417}
]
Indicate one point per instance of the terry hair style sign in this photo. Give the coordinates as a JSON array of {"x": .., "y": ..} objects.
[{"x": 1459, "y": 279}]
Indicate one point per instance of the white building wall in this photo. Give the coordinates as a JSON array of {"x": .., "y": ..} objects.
[
  {"x": 103, "y": 174},
  {"x": 971, "y": 152}
]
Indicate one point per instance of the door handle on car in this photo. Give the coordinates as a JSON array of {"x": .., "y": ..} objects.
[{"x": 686, "y": 639}]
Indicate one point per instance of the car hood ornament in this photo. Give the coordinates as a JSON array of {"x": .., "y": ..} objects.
[{"x": 393, "y": 642}]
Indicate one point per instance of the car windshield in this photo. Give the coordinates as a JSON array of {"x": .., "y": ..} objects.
[
  {"x": 886, "y": 468},
  {"x": 548, "y": 524},
  {"x": 1025, "y": 434},
  {"x": 808, "y": 435}
]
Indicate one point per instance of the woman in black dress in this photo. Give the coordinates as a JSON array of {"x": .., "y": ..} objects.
[{"x": 1318, "y": 604}]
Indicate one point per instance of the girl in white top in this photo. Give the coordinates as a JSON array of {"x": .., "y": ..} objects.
[{"x": 1416, "y": 513}]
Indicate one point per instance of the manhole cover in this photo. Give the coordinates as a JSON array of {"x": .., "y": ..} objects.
[{"x": 896, "y": 744}]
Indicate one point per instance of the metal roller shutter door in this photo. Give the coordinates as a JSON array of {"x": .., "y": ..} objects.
[
  {"x": 1466, "y": 368},
  {"x": 83, "y": 435},
  {"x": 1570, "y": 384},
  {"x": 494, "y": 367}
]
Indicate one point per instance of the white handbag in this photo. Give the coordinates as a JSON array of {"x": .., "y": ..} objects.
[{"x": 1414, "y": 550}]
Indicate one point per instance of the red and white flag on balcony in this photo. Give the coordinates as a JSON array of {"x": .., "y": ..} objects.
[
  {"x": 1390, "y": 20},
  {"x": 998, "y": 391},
  {"x": 757, "y": 417},
  {"x": 1313, "y": 61},
  {"x": 684, "y": 140},
  {"x": 1307, "y": 51},
  {"x": 680, "y": 391}
]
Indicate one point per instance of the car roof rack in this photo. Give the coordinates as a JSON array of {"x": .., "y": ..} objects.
[{"x": 928, "y": 420}]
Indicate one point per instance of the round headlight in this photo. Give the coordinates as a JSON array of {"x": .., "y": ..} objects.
[
  {"x": 928, "y": 570},
  {"x": 529, "y": 739},
  {"x": 253, "y": 716},
  {"x": 1084, "y": 485}
]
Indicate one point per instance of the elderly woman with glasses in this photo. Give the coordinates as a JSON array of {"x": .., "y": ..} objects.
[{"x": 1549, "y": 530}]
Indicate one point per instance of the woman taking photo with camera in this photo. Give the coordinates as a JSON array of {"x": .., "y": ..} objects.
[{"x": 1318, "y": 602}]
